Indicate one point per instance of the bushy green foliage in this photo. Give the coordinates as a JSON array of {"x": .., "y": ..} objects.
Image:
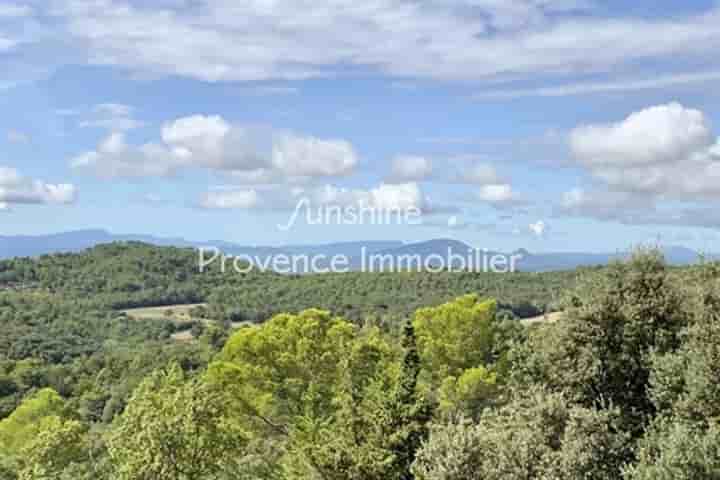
[
  {"x": 476, "y": 389},
  {"x": 286, "y": 368},
  {"x": 388, "y": 297},
  {"x": 58, "y": 329},
  {"x": 121, "y": 275},
  {"x": 380, "y": 422},
  {"x": 22, "y": 427},
  {"x": 615, "y": 322},
  {"x": 538, "y": 435},
  {"x": 58, "y": 450},
  {"x": 678, "y": 450},
  {"x": 456, "y": 336},
  {"x": 175, "y": 429}
]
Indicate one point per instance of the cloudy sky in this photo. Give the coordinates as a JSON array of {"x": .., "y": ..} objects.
[{"x": 545, "y": 124}]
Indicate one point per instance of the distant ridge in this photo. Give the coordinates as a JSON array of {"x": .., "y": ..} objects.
[{"x": 75, "y": 241}]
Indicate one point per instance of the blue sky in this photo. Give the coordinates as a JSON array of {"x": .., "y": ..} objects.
[{"x": 549, "y": 125}]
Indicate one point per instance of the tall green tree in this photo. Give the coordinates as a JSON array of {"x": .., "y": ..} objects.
[
  {"x": 285, "y": 369},
  {"x": 456, "y": 336},
  {"x": 381, "y": 421},
  {"x": 411, "y": 412}
]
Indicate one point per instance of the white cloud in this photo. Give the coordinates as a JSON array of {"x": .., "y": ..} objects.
[
  {"x": 211, "y": 142},
  {"x": 239, "y": 199},
  {"x": 660, "y": 134},
  {"x": 383, "y": 197},
  {"x": 410, "y": 168},
  {"x": 634, "y": 209},
  {"x": 480, "y": 174},
  {"x": 538, "y": 228},
  {"x": 250, "y": 154},
  {"x": 9, "y": 177},
  {"x": 400, "y": 196},
  {"x": 663, "y": 150},
  {"x": 448, "y": 39},
  {"x": 16, "y": 189},
  {"x": 605, "y": 205},
  {"x": 115, "y": 158},
  {"x": 499, "y": 195},
  {"x": 312, "y": 157}
]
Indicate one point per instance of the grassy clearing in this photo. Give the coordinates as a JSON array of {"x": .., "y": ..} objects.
[
  {"x": 180, "y": 314},
  {"x": 547, "y": 318},
  {"x": 175, "y": 313}
]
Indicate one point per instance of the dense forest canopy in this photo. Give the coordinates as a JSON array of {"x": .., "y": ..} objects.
[{"x": 356, "y": 376}]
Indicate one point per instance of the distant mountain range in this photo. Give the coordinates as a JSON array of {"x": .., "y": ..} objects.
[{"x": 370, "y": 255}]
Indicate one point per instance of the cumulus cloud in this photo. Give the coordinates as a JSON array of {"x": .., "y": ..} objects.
[
  {"x": 500, "y": 195},
  {"x": 479, "y": 174},
  {"x": 211, "y": 142},
  {"x": 634, "y": 209},
  {"x": 410, "y": 168},
  {"x": 297, "y": 156},
  {"x": 665, "y": 150},
  {"x": 115, "y": 158},
  {"x": 16, "y": 189},
  {"x": 383, "y": 197},
  {"x": 538, "y": 228}
]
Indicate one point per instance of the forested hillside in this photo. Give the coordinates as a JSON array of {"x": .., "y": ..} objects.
[{"x": 356, "y": 376}]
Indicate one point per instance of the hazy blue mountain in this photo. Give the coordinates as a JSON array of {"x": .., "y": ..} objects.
[
  {"x": 349, "y": 249},
  {"x": 391, "y": 252},
  {"x": 31, "y": 245},
  {"x": 529, "y": 262}
]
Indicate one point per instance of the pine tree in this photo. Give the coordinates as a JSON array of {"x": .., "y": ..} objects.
[{"x": 411, "y": 411}]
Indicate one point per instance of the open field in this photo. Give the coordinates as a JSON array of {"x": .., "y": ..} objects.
[
  {"x": 548, "y": 317},
  {"x": 180, "y": 314},
  {"x": 176, "y": 313}
]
